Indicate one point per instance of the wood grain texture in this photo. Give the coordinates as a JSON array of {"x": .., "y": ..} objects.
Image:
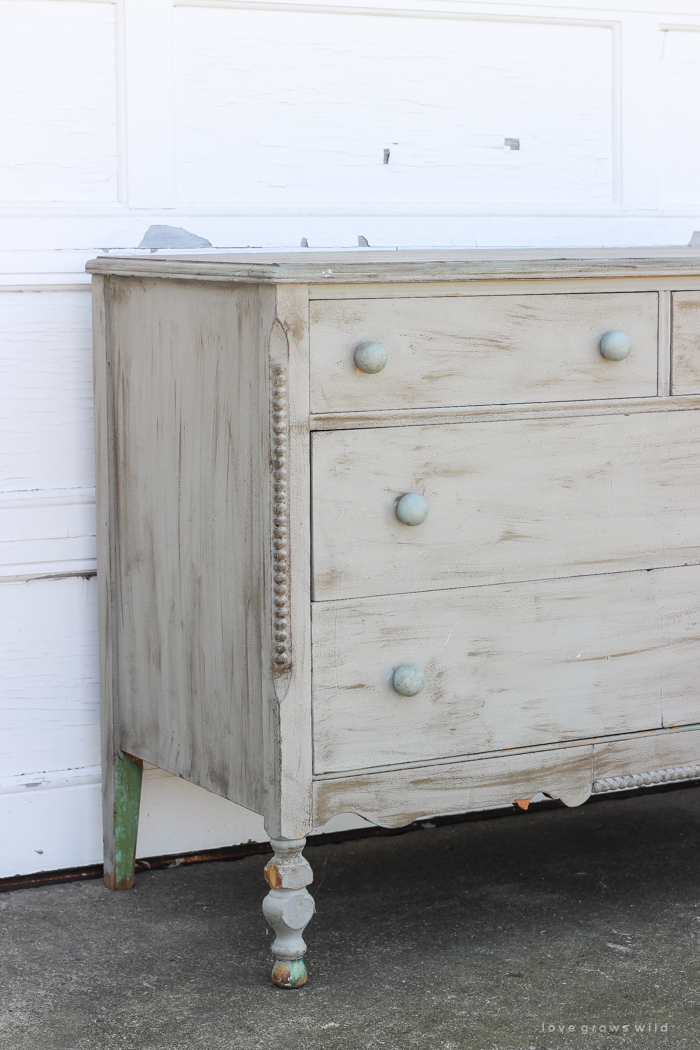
[
  {"x": 685, "y": 343},
  {"x": 192, "y": 526},
  {"x": 58, "y": 74},
  {"x": 481, "y": 351},
  {"x": 513, "y": 500},
  {"x": 504, "y": 666},
  {"x": 411, "y": 417},
  {"x": 396, "y": 797},
  {"x": 664, "y": 375},
  {"x": 211, "y": 516},
  {"x": 522, "y": 284},
  {"x": 107, "y": 564},
  {"x": 124, "y": 823},
  {"x": 340, "y": 268}
]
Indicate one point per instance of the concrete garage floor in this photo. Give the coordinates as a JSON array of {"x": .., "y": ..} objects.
[{"x": 472, "y": 935}]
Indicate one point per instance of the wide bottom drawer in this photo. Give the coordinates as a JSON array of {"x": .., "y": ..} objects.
[{"x": 504, "y": 666}]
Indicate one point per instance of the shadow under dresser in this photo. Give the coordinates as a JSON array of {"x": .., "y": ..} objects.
[{"x": 395, "y": 533}]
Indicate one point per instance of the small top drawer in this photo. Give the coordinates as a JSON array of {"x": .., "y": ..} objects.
[
  {"x": 481, "y": 350},
  {"x": 685, "y": 342}
]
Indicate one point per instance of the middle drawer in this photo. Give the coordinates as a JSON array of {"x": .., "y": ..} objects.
[{"x": 507, "y": 501}]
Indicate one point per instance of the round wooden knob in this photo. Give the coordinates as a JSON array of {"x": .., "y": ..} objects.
[
  {"x": 615, "y": 346},
  {"x": 371, "y": 357},
  {"x": 412, "y": 509},
  {"x": 408, "y": 680}
]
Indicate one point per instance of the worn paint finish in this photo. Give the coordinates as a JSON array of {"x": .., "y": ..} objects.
[
  {"x": 504, "y": 666},
  {"x": 685, "y": 343},
  {"x": 416, "y": 417},
  {"x": 61, "y": 129},
  {"x": 288, "y": 908},
  {"x": 650, "y": 779},
  {"x": 481, "y": 350},
  {"x": 288, "y": 745},
  {"x": 291, "y": 974},
  {"x": 427, "y": 272},
  {"x": 272, "y": 876},
  {"x": 127, "y": 795},
  {"x": 202, "y": 530},
  {"x": 651, "y": 751},
  {"x": 191, "y": 449},
  {"x": 396, "y": 797},
  {"x": 512, "y": 500},
  {"x": 510, "y": 599}
]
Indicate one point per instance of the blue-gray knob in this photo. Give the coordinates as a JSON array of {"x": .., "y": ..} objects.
[
  {"x": 615, "y": 346},
  {"x": 408, "y": 680},
  {"x": 371, "y": 357},
  {"x": 412, "y": 509}
]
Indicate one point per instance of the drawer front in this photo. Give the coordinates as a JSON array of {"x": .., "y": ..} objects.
[
  {"x": 685, "y": 343},
  {"x": 509, "y": 500},
  {"x": 504, "y": 667},
  {"x": 481, "y": 350}
]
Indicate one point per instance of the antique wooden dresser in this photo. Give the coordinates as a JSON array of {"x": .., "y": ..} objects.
[{"x": 395, "y": 533}]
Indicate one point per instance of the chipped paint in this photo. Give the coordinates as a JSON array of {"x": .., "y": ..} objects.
[
  {"x": 272, "y": 876},
  {"x": 289, "y": 974},
  {"x": 128, "y": 772}
]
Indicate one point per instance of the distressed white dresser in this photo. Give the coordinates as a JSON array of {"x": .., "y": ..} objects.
[{"x": 395, "y": 533}]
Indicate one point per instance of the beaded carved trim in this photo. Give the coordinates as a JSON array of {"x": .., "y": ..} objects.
[
  {"x": 659, "y": 776},
  {"x": 280, "y": 530}
]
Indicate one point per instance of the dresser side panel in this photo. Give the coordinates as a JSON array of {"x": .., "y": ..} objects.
[{"x": 191, "y": 431}]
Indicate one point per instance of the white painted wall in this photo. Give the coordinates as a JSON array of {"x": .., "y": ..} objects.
[{"x": 254, "y": 124}]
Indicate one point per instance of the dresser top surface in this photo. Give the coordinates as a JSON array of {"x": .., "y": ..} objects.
[{"x": 472, "y": 264}]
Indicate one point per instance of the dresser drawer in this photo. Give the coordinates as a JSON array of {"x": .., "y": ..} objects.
[
  {"x": 481, "y": 350},
  {"x": 507, "y": 500},
  {"x": 685, "y": 343},
  {"x": 504, "y": 666}
]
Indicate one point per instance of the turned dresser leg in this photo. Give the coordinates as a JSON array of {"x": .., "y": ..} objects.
[
  {"x": 120, "y": 814},
  {"x": 288, "y": 908}
]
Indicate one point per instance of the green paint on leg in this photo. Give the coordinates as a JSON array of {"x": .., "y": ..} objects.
[
  {"x": 289, "y": 973},
  {"x": 127, "y": 796}
]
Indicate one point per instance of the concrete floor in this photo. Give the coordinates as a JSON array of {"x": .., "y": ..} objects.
[{"x": 477, "y": 935}]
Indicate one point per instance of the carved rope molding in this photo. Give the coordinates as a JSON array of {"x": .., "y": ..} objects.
[
  {"x": 658, "y": 776},
  {"x": 280, "y": 531}
]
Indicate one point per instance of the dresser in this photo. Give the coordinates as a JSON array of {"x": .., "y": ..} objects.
[{"x": 395, "y": 534}]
